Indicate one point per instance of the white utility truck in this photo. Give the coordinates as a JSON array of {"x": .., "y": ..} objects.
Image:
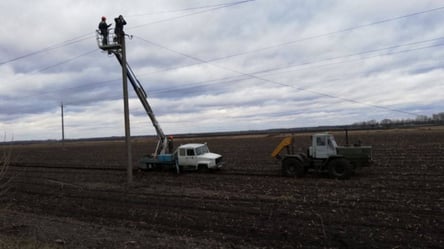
[{"x": 191, "y": 156}]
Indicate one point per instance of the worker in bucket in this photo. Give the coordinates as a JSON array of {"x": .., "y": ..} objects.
[
  {"x": 118, "y": 30},
  {"x": 103, "y": 27}
]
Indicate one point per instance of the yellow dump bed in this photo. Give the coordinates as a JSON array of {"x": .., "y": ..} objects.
[{"x": 284, "y": 143}]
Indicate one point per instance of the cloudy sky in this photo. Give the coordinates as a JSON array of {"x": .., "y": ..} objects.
[{"x": 219, "y": 65}]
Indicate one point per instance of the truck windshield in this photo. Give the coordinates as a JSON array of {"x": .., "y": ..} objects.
[{"x": 202, "y": 150}]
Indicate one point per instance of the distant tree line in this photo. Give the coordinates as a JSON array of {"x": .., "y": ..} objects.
[{"x": 435, "y": 119}]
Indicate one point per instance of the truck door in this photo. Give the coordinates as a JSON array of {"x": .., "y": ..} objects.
[
  {"x": 321, "y": 150},
  {"x": 187, "y": 157},
  {"x": 325, "y": 146}
]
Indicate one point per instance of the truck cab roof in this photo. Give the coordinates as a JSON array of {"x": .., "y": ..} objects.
[
  {"x": 323, "y": 134},
  {"x": 191, "y": 145}
]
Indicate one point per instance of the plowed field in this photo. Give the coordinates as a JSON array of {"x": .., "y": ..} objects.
[{"x": 75, "y": 196}]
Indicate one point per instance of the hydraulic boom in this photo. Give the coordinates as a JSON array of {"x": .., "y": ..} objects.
[
  {"x": 192, "y": 156},
  {"x": 162, "y": 144}
]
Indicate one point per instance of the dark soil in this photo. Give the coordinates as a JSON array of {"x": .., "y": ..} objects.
[{"x": 64, "y": 196}]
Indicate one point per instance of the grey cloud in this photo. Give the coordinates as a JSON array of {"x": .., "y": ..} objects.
[{"x": 269, "y": 65}]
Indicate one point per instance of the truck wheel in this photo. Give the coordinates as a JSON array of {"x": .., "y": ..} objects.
[
  {"x": 340, "y": 168},
  {"x": 146, "y": 167},
  {"x": 202, "y": 168},
  {"x": 292, "y": 167}
]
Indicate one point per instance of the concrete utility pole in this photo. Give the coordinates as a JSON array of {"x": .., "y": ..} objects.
[
  {"x": 63, "y": 126},
  {"x": 119, "y": 49},
  {"x": 126, "y": 112}
]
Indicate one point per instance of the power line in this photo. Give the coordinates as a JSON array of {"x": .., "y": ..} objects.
[
  {"x": 330, "y": 33},
  {"x": 191, "y": 14},
  {"x": 233, "y": 79},
  {"x": 253, "y": 76},
  {"x": 185, "y": 9},
  {"x": 49, "y": 48},
  {"x": 68, "y": 60},
  {"x": 310, "y": 62},
  {"x": 75, "y": 40},
  {"x": 312, "y": 37},
  {"x": 88, "y": 35}
]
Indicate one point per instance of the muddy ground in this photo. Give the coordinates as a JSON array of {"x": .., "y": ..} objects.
[{"x": 75, "y": 196}]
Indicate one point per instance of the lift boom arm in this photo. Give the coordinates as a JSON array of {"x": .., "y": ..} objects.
[{"x": 162, "y": 144}]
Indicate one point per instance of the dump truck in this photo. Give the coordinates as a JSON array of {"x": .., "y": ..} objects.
[{"x": 324, "y": 155}]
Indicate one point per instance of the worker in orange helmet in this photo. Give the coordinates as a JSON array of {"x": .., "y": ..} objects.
[
  {"x": 103, "y": 27},
  {"x": 170, "y": 144}
]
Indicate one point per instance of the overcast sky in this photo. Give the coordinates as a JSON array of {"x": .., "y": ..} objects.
[{"x": 219, "y": 65}]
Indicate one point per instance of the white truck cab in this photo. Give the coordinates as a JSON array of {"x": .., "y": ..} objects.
[
  {"x": 323, "y": 146},
  {"x": 196, "y": 156}
]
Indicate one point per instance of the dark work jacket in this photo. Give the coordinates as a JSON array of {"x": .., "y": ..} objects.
[
  {"x": 119, "y": 26},
  {"x": 103, "y": 27}
]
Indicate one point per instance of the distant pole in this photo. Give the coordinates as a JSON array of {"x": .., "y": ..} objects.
[
  {"x": 63, "y": 126},
  {"x": 126, "y": 113}
]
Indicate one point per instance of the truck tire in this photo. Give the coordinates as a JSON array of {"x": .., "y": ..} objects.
[
  {"x": 202, "y": 168},
  {"x": 292, "y": 167},
  {"x": 340, "y": 168}
]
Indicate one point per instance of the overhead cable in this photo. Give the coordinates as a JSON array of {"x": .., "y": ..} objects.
[
  {"x": 330, "y": 33},
  {"x": 89, "y": 35},
  {"x": 253, "y": 76},
  {"x": 187, "y": 9},
  {"x": 49, "y": 48},
  {"x": 191, "y": 14}
]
